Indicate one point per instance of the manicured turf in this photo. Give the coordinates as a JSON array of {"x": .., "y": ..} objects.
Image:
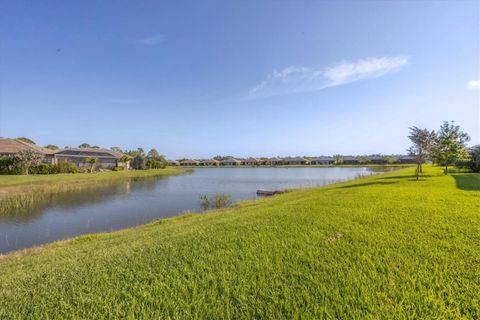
[{"x": 379, "y": 247}]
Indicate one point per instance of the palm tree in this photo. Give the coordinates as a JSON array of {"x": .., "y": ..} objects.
[
  {"x": 125, "y": 159},
  {"x": 338, "y": 158}
]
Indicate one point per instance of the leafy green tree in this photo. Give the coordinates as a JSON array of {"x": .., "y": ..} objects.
[
  {"x": 138, "y": 162},
  {"x": 390, "y": 159},
  {"x": 450, "y": 145},
  {"x": 363, "y": 159},
  {"x": 338, "y": 158},
  {"x": 474, "y": 161},
  {"x": 423, "y": 142},
  {"x": 153, "y": 154},
  {"x": 27, "y": 158},
  {"x": 92, "y": 161},
  {"x": 220, "y": 158},
  {"x": 95, "y": 147},
  {"x": 84, "y": 145},
  {"x": 52, "y": 147},
  {"x": 27, "y": 140},
  {"x": 116, "y": 149},
  {"x": 125, "y": 159}
]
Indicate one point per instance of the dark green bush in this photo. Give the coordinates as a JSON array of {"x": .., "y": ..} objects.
[
  {"x": 156, "y": 164},
  {"x": 41, "y": 169},
  {"x": 65, "y": 167}
]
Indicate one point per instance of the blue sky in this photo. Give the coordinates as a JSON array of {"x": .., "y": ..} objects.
[{"x": 259, "y": 78}]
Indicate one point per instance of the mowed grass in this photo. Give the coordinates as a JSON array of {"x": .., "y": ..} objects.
[{"x": 379, "y": 247}]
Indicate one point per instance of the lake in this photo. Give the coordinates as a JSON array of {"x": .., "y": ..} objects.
[{"x": 134, "y": 202}]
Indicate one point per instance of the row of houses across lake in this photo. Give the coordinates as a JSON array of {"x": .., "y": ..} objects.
[
  {"x": 108, "y": 159},
  {"x": 277, "y": 161}
]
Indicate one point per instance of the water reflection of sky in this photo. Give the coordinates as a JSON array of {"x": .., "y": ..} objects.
[{"x": 129, "y": 203}]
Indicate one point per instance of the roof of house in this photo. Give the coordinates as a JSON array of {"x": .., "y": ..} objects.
[
  {"x": 250, "y": 160},
  {"x": 296, "y": 159},
  {"x": 349, "y": 158},
  {"x": 376, "y": 157},
  {"x": 274, "y": 159},
  {"x": 230, "y": 160},
  {"x": 189, "y": 161},
  {"x": 10, "y": 146},
  {"x": 89, "y": 152},
  {"x": 210, "y": 160},
  {"x": 322, "y": 159}
]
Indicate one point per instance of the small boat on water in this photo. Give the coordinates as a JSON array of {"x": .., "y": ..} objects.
[{"x": 264, "y": 192}]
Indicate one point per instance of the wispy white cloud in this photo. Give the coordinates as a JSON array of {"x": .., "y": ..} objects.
[
  {"x": 474, "y": 84},
  {"x": 303, "y": 79},
  {"x": 153, "y": 40}
]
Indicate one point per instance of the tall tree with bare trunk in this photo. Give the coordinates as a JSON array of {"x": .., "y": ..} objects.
[{"x": 422, "y": 144}]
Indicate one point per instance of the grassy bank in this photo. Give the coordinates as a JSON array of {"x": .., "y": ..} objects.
[
  {"x": 379, "y": 247},
  {"x": 22, "y": 191}
]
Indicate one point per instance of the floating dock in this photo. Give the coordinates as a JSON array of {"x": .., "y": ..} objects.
[{"x": 264, "y": 192}]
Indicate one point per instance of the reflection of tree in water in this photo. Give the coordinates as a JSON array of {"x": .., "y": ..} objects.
[{"x": 96, "y": 193}]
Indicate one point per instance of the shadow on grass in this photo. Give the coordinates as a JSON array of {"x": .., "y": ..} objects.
[
  {"x": 406, "y": 177},
  {"x": 468, "y": 181},
  {"x": 366, "y": 184}
]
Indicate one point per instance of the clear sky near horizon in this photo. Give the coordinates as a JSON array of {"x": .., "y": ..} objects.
[{"x": 242, "y": 78}]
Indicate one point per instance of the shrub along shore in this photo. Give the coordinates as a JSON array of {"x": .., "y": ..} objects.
[
  {"x": 24, "y": 191},
  {"x": 378, "y": 247}
]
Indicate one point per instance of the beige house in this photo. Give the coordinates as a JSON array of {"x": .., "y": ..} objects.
[
  {"x": 189, "y": 163},
  {"x": 173, "y": 163},
  {"x": 10, "y": 147},
  {"x": 230, "y": 162},
  {"x": 250, "y": 162},
  {"x": 275, "y": 161},
  {"x": 210, "y": 162},
  {"x": 297, "y": 161}
]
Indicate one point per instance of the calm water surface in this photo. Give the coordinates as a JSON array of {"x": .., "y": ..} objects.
[{"x": 130, "y": 203}]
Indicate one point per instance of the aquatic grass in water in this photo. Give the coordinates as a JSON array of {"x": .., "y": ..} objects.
[{"x": 216, "y": 201}]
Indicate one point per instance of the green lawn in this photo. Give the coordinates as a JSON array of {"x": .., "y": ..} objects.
[{"x": 378, "y": 247}]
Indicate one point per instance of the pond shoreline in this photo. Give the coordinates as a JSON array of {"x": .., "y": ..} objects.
[
  {"x": 26, "y": 191},
  {"x": 118, "y": 204}
]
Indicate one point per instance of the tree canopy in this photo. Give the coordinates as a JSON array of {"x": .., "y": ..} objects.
[
  {"x": 27, "y": 140},
  {"x": 450, "y": 145},
  {"x": 27, "y": 159},
  {"x": 52, "y": 147}
]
